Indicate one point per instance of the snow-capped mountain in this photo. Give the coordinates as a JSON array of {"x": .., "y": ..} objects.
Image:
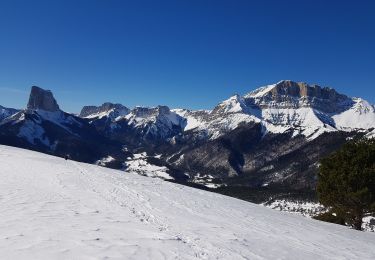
[
  {"x": 277, "y": 130},
  {"x": 156, "y": 122},
  {"x": 57, "y": 209},
  {"x": 6, "y": 112},
  {"x": 293, "y": 104},
  {"x": 207, "y": 125},
  {"x": 271, "y": 137},
  {"x": 305, "y": 109},
  {"x": 107, "y": 109},
  {"x": 44, "y": 127},
  {"x": 137, "y": 125},
  {"x": 361, "y": 115},
  {"x": 287, "y": 106}
]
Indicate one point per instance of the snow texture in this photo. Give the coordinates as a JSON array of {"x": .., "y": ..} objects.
[
  {"x": 57, "y": 209},
  {"x": 139, "y": 165},
  {"x": 310, "y": 209},
  {"x": 31, "y": 131},
  {"x": 261, "y": 91},
  {"x": 105, "y": 160},
  {"x": 361, "y": 115},
  {"x": 192, "y": 121}
]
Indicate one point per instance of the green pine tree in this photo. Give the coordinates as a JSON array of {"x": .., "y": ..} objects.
[{"x": 346, "y": 181}]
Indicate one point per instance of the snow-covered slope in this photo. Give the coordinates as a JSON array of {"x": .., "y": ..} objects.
[
  {"x": 138, "y": 164},
  {"x": 31, "y": 125},
  {"x": 107, "y": 109},
  {"x": 226, "y": 117},
  {"x": 361, "y": 116},
  {"x": 143, "y": 122},
  {"x": 6, "y": 112},
  {"x": 157, "y": 120},
  {"x": 57, "y": 209}
]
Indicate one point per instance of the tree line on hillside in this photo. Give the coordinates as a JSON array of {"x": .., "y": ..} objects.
[{"x": 346, "y": 183}]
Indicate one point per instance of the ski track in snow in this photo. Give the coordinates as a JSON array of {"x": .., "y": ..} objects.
[{"x": 57, "y": 209}]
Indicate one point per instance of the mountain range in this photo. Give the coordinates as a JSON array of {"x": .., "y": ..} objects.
[{"x": 271, "y": 138}]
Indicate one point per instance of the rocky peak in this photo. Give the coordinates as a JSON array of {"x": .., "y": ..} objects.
[
  {"x": 161, "y": 117},
  {"x": 150, "y": 111},
  {"x": 291, "y": 94},
  {"x": 163, "y": 110},
  {"x": 41, "y": 99},
  {"x": 301, "y": 89},
  {"x": 234, "y": 104},
  {"x": 362, "y": 106},
  {"x": 7, "y": 112},
  {"x": 119, "y": 109}
]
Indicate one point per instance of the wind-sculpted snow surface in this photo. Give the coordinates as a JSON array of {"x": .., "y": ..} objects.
[{"x": 57, "y": 209}]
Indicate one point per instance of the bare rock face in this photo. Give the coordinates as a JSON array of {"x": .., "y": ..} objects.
[
  {"x": 119, "y": 109},
  {"x": 290, "y": 94},
  {"x": 41, "y": 99},
  {"x": 301, "y": 89}
]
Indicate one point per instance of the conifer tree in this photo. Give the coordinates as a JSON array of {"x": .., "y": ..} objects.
[{"x": 346, "y": 181}]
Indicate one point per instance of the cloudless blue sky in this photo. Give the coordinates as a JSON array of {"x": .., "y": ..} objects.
[{"x": 181, "y": 53}]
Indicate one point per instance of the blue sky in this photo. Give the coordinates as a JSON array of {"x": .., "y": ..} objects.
[{"x": 181, "y": 53}]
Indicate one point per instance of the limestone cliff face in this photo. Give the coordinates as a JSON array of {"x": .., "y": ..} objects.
[
  {"x": 290, "y": 94},
  {"x": 301, "y": 89},
  {"x": 41, "y": 99}
]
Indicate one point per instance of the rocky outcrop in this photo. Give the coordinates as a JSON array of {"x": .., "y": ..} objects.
[
  {"x": 152, "y": 124},
  {"x": 7, "y": 112},
  {"x": 41, "y": 99},
  {"x": 147, "y": 112},
  {"x": 92, "y": 111},
  {"x": 290, "y": 94}
]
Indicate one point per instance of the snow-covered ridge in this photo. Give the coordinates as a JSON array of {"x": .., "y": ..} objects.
[
  {"x": 361, "y": 115},
  {"x": 297, "y": 107},
  {"x": 234, "y": 104},
  {"x": 143, "y": 115},
  {"x": 158, "y": 121},
  {"x": 105, "y": 110},
  {"x": 303, "y": 109},
  {"x": 31, "y": 121},
  {"x": 260, "y": 91},
  {"x": 57, "y": 209},
  {"x": 7, "y": 112}
]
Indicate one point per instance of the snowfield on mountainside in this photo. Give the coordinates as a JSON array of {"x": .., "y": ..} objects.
[{"x": 57, "y": 209}]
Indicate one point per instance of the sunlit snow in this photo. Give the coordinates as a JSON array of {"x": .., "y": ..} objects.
[{"x": 57, "y": 209}]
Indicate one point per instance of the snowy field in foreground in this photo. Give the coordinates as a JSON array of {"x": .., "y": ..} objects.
[{"x": 57, "y": 209}]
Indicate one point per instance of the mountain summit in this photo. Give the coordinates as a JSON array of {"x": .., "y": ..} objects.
[
  {"x": 106, "y": 109},
  {"x": 290, "y": 94},
  {"x": 41, "y": 99}
]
